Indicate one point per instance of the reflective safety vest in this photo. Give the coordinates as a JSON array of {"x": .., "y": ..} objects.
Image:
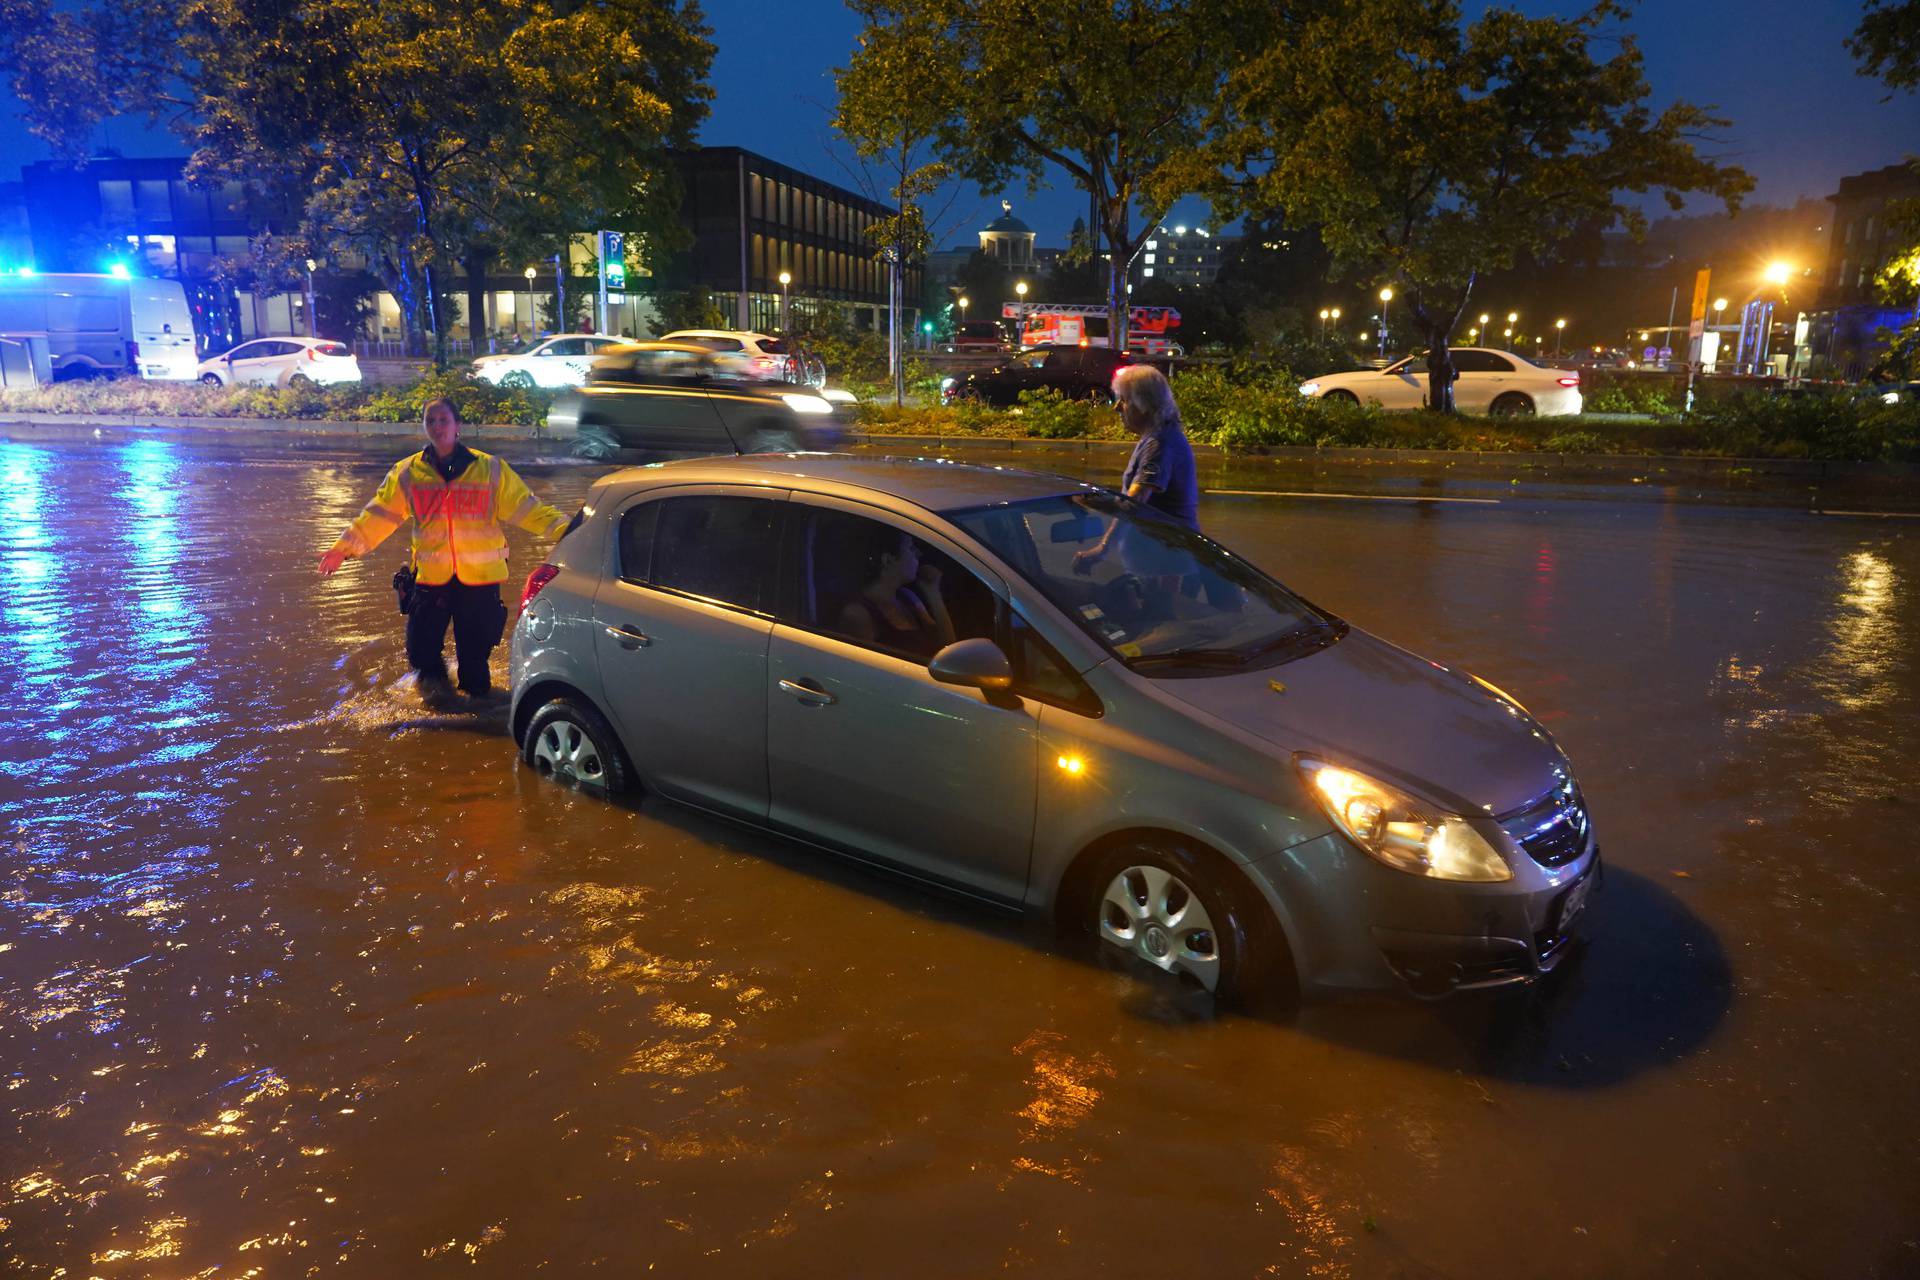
[{"x": 456, "y": 527}]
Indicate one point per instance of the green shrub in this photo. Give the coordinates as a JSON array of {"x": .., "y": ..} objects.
[
  {"x": 1836, "y": 427},
  {"x": 1047, "y": 415},
  {"x": 1577, "y": 442}
]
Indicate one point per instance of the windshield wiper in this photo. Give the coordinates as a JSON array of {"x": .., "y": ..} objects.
[{"x": 1191, "y": 657}]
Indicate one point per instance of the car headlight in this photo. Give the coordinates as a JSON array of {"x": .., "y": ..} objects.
[
  {"x": 1890, "y": 397},
  {"x": 1309, "y": 388},
  {"x": 806, "y": 404},
  {"x": 1392, "y": 827},
  {"x": 839, "y": 395}
]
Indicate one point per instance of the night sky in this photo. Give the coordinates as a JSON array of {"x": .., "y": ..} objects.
[{"x": 1802, "y": 118}]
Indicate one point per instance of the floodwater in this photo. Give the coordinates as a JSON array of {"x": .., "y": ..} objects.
[{"x": 297, "y": 979}]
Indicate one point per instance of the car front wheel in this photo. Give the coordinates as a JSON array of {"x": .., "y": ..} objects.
[
  {"x": 211, "y": 380},
  {"x": 1168, "y": 907},
  {"x": 1341, "y": 397},
  {"x": 518, "y": 380},
  {"x": 569, "y": 741}
]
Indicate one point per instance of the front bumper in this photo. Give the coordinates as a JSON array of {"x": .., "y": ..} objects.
[{"x": 1356, "y": 926}]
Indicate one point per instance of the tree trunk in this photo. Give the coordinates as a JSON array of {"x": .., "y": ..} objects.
[
  {"x": 562, "y": 323},
  {"x": 478, "y": 259},
  {"x": 1440, "y": 370},
  {"x": 1118, "y": 313},
  {"x": 434, "y": 319}
]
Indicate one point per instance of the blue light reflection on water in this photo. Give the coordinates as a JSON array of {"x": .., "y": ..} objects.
[{"x": 33, "y": 632}]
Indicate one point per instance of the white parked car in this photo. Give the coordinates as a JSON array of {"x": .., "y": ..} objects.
[
  {"x": 559, "y": 361},
  {"x": 281, "y": 362},
  {"x": 746, "y": 354},
  {"x": 1495, "y": 382}
]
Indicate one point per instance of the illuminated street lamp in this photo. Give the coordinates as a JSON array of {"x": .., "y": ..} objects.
[
  {"x": 786, "y": 278},
  {"x": 1020, "y": 287},
  {"x": 1559, "y": 329},
  {"x": 1484, "y": 317},
  {"x": 530, "y": 273},
  {"x": 1778, "y": 273},
  {"x": 1386, "y": 296},
  {"x": 1324, "y": 313}
]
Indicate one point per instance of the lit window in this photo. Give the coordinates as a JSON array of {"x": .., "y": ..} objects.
[
  {"x": 1147, "y": 272},
  {"x": 1153, "y": 244},
  {"x": 1149, "y": 256}
]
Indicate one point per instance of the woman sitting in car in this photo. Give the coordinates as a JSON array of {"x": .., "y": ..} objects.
[{"x": 899, "y": 605}]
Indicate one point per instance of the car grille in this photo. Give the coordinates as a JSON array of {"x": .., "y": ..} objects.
[{"x": 1553, "y": 828}]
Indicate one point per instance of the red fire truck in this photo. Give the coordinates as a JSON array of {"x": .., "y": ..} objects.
[{"x": 1149, "y": 329}]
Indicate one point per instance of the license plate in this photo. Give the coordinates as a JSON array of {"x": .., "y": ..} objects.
[{"x": 1574, "y": 901}]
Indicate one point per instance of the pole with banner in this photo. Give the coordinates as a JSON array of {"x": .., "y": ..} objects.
[
  {"x": 613, "y": 274},
  {"x": 1696, "y": 330}
]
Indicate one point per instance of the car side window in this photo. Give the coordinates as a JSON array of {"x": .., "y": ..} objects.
[
  {"x": 1481, "y": 362},
  {"x": 636, "y": 541},
  {"x": 714, "y": 547},
  {"x": 247, "y": 351},
  {"x": 567, "y": 347},
  {"x": 877, "y": 585}
]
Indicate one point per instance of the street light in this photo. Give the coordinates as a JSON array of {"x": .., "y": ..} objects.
[
  {"x": 1020, "y": 287},
  {"x": 786, "y": 278},
  {"x": 530, "y": 273},
  {"x": 1559, "y": 328},
  {"x": 1324, "y": 313},
  {"x": 1386, "y": 296},
  {"x": 1484, "y": 317},
  {"x": 1778, "y": 273}
]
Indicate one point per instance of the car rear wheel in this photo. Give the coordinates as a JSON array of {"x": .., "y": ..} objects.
[
  {"x": 595, "y": 442},
  {"x": 1512, "y": 405},
  {"x": 517, "y": 380},
  {"x": 1341, "y": 397},
  {"x": 299, "y": 380},
  {"x": 1169, "y": 907},
  {"x": 570, "y": 742},
  {"x": 211, "y": 380}
]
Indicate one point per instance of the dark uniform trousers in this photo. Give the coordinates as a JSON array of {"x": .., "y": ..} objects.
[{"x": 479, "y": 619}]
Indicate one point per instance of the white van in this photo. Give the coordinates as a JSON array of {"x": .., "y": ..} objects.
[{"x": 103, "y": 326}]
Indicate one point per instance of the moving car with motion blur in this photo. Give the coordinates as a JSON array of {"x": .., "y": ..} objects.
[
  {"x": 1499, "y": 383},
  {"x": 1157, "y": 747},
  {"x": 647, "y": 400},
  {"x": 1078, "y": 373},
  {"x": 747, "y": 354},
  {"x": 282, "y": 362},
  {"x": 559, "y": 361}
]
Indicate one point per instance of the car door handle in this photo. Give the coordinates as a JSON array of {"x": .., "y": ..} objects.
[
  {"x": 629, "y": 637},
  {"x": 809, "y": 691}
]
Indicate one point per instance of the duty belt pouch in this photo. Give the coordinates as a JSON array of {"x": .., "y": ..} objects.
[{"x": 403, "y": 587}]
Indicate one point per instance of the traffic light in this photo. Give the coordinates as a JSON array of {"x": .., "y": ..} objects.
[
  {"x": 926, "y": 326},
  {"x": 613, "y": 261}
]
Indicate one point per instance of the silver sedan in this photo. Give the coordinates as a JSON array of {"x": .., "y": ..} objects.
[{"x": 1041, "y": 695}]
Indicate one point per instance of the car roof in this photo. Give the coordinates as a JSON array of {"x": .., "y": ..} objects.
[
  {"x": 934, "y": 484},
  {"x": 717, "y": 333}
]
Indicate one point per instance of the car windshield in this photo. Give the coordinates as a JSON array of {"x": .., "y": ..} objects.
[{"x": 1165, "y": 599}]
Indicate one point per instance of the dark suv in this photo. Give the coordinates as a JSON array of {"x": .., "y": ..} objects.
[
  {"x": 1079, "y": 373},
  {"x": 643, "y": 400}
]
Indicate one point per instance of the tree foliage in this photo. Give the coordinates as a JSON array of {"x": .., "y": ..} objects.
[
  {"x": 414, "y": 134},
  {"x": 1112, "y": 93},
  {"x": 1428, "y": 151},
  {"x": 1887, "y": 43}
]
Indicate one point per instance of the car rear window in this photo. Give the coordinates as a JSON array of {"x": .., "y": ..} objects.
[{"x": 773, "y": 346}]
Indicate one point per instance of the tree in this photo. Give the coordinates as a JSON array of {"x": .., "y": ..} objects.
[
  {"x": 417, "y": 133},
  {"x": 1887, "y": 43},
  {"x": 1428, "y": 152},
  {"x": 894, "y": 131},
  {"x": 1113, "y": 93}
]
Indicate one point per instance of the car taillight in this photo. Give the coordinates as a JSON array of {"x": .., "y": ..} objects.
[
  {"x": 537, "y": 580},
  {"x": 765, "y": 362},
  {"x": 1570, "y": 380},
  {"x": 311, "y": 355}
]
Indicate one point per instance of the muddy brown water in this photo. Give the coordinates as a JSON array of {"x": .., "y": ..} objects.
[{"x": 298, "y": 979}]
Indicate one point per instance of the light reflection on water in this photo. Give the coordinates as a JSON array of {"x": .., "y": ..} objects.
[{"x": 293, "y": 975}]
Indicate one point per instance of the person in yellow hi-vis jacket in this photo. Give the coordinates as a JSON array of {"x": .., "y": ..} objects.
[{"x": 457, "y": 498}]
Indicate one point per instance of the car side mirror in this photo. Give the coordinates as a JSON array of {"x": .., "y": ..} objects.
[{"x": 973, "y": 664}]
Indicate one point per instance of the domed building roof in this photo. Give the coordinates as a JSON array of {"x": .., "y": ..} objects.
[{"x": 1007, "y": 224}]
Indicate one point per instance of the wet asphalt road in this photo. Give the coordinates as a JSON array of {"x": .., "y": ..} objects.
[{"x": 297, "y": 979}]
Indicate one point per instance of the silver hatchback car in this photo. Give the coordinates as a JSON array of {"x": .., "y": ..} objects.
[{"x": 1040, "y": 694}]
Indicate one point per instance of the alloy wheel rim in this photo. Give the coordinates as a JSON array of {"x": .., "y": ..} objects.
[
  {"x": 1154, "y": 915},
  {"x": 565, "y": 750}
]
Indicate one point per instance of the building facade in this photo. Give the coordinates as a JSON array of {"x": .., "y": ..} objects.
[
  {"x": 1863, "y": 235},
  {"x": 753, "y": 218},
  {"x": 1181, "y": 256}
]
